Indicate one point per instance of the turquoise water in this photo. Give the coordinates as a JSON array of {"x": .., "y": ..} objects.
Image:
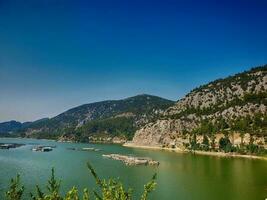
[{"x": 180, "y": 176}]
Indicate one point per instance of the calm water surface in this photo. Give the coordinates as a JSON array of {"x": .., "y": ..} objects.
[{"x": 180, "y": 176}]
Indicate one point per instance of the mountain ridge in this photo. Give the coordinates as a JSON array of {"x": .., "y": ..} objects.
[{"x": 71, "y": 121}]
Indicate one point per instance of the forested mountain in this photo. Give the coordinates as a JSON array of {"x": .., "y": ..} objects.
[
  {"x": 106, "y": 118},
  {"x": 234, "y": 108},
  {"x": 9, "y": 127}
]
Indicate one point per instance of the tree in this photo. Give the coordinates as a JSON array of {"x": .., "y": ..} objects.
[
  {"x": 193, "y": 142},
  {"x": 206, "y": 143},
  {"x": 225, "y": 144},
  {"x": 212, "y": 142},
  {"x": 221, "y": 124}
]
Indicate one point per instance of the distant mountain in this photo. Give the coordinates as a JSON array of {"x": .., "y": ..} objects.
[
  {"x": 107, "y": 118},
  {"x": 10, "y": 127},
  {"x": 234, "y": 108}
]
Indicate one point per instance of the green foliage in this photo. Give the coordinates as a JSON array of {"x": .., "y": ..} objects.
[
  {"x": 149, "y": 187},
  {"x": 53, "y": 188},
  {"x": 205, "y": 143},
  {"x": 256, "y": 124},
  {"x": 206, "y": 127},
  {"x": 255, "y": 149},
  {"x": 225, "y": 144},
  {"x": 101, "y": 114},
  {"x": 73, "y": 194},
  {"x": 259, "y": 98},
  {"x": 111, "y": 189},
  {"x": 256, "y": 98},
  {"x": 119, "y": 126},
  {"x": 15, "y": 189},
  {"x": 241, "y": 78},
  {"x": 193, "y": 143}
]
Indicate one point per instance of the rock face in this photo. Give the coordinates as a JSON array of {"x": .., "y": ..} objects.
[
  {"x": 107, "y": 140},
  {"x": 119, "y": 140},
  {"x": 67, "y": 138},
  {"x": 163, "y": 133},
  {"x": 236, "y": 105}
]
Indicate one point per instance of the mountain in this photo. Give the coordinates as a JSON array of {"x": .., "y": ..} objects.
[
  {"x": 107, "y": 118},
  {"x": 10, "y": 127},
  {"x": 230, "y": 111},
  {"x": 227, "y": 114}
]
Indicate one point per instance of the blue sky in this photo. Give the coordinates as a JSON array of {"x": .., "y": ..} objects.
[{"x": 56, "y": 54}]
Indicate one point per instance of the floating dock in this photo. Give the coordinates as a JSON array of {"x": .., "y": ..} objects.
[{"x": 131, "y": 160}]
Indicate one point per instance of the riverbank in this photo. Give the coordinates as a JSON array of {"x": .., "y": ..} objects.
[{"x": 208, "y": 153}]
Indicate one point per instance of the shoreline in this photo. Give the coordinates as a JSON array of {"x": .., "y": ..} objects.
[
  {"x": 53, "y": 140},
  {"x": 176, "y": 150},
  {"x": 206, "y": 153}
]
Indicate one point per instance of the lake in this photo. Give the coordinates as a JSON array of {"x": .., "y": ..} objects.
[{"x": 180, "y": 176}]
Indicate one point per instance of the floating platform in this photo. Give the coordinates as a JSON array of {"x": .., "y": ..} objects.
[
  {"x": 84, "y": 149},
  {"x": 90, "y": 149},
  {"x": 10, "y": 145},
  {"x": 131, "y": 160}
]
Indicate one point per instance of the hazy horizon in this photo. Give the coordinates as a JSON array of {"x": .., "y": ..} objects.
[{"x": 55, "y": 55}]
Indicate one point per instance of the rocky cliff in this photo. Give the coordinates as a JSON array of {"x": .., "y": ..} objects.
[{"x": 234, "y": 108}]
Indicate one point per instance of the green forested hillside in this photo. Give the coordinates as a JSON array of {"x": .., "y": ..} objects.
[{"x": 109, "y": 118}]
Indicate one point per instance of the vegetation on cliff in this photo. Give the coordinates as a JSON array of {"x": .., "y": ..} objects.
[{"x": 227, "y": 115}]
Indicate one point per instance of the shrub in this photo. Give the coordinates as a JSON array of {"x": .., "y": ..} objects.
[
  {"x": 15, "y": 189},
  {"x": 111, "y": 189},
  {"x": 225, "y": 144}
]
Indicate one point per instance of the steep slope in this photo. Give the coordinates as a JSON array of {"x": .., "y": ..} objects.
[
  {"x": 123, "y": 117},
  {"x": 236, "y": 104}
]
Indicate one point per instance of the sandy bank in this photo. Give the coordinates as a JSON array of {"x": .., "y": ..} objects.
[{"x": 209, "y": 153}]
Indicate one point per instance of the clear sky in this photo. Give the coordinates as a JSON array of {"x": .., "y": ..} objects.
[{"x": 56, "y": 54}]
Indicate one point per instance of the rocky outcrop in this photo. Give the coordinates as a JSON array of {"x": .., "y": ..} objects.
[
  {"x": 231, "y": 99},
  {"x": 163, "y": 133},
  {"x": 107, "y": 139},
  {"x": 67, "y": 138},
  {"x": 222, "y": 91},
  {"x": 119, "y": 140}
]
